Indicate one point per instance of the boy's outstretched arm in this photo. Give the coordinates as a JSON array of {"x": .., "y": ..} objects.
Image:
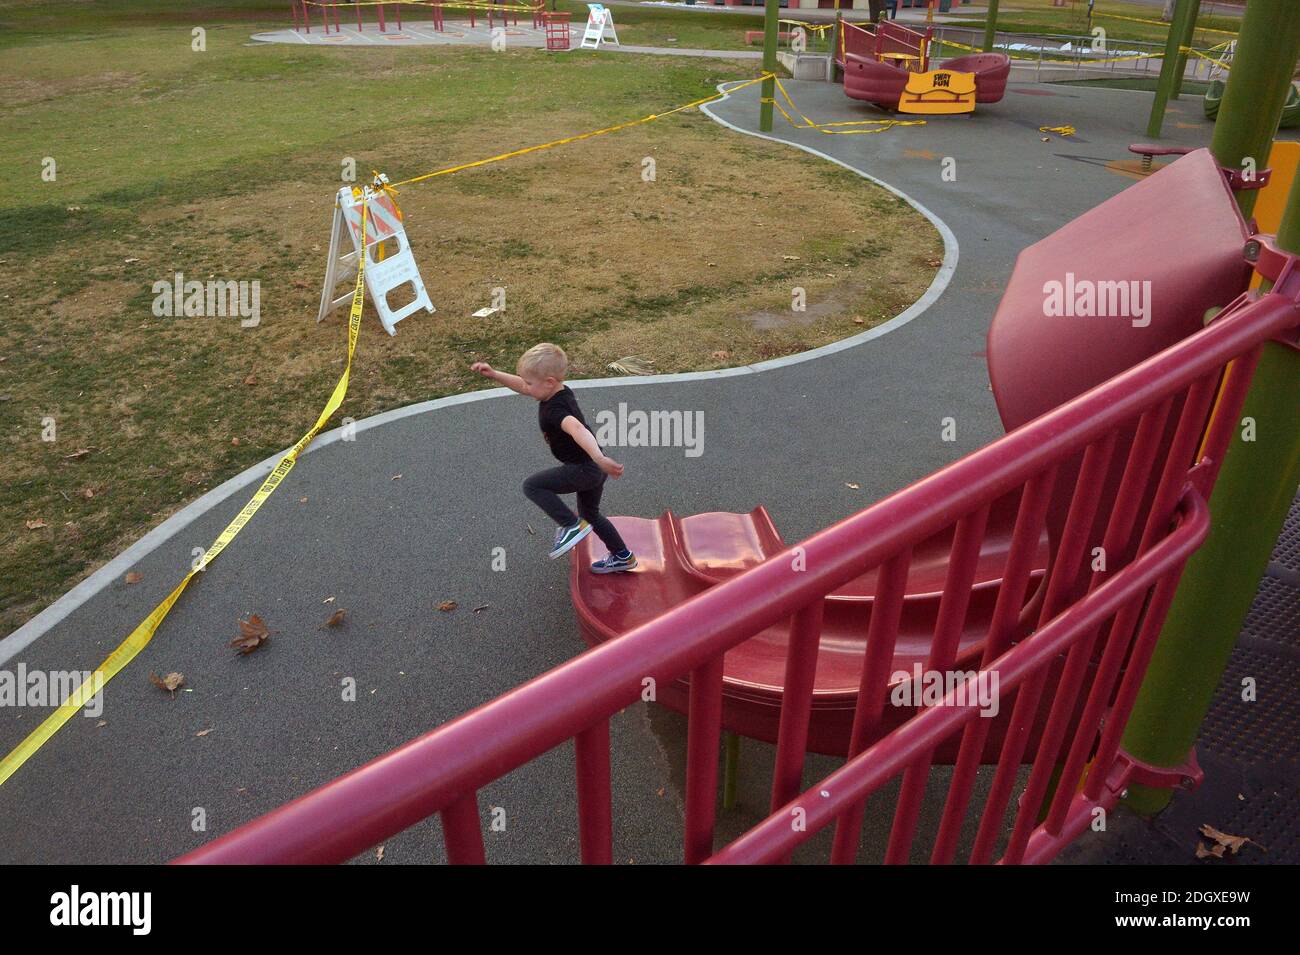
[
  {"x": 587, "y": 441},
  {"x": 513, "y": 382}
]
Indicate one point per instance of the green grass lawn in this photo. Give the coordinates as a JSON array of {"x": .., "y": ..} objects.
[{"x": 224, "y": 163}]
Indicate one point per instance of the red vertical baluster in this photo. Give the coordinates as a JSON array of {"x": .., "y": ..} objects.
[
  {"x": 1118, "y": 531},
  {"x": 963, "y": 559},
  {"x": 1173, "y": 477},
  {"x": 796, "y": 703},
  {"x": 703, "y": 731},
  {"x": 877, "y": 664},
  {"x": 1226, "y": 415},
  {"x": 1154, "y": 619},
  {"x": 595, "y": 824},
  {"x": 1006, "y": 611},
  {"x": 1013, "y": 746},
  {"x": 1066, "y": 564},
  {"x": 462, "y": 832}
]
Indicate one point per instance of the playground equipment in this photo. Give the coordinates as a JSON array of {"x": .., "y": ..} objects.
[
  {"x": 1037, "y": 362},
  {"x": 506, "y": 10},
  {"x": 1290, "y": 111},
  {"x": 1136, "y": 456},
  {"x": 1067, "y": 640},
  {"x": 890, "y": 66}
]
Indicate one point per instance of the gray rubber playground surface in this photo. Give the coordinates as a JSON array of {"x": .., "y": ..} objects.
[{"x": 124, "y": 787}]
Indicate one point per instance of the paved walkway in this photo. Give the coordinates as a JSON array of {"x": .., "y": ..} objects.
[{"x": 124, "y": 787}]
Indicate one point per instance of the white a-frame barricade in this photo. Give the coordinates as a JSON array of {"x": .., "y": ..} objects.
[
  {"x": 600, "y": 27},
  {"x": 386, "y": 268}
]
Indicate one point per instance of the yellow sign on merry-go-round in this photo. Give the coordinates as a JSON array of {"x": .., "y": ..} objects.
[{"x": 938, "y": 92}]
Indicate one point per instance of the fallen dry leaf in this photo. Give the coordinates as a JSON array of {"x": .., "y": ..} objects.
[
  {"x": 171, "y": 682},
  {"x": 1204, "y": 853},
  {"x": 328, "y": 600},
  {"x": 336, "y": 618},
  {"x": 250, "y": 380},
  {"x": 483, "y": 607},
  {"x": 379, "y": 854},
  {"x": 204, "y": 732},
  {"x": 1232, "y": 843},
  {"x": 79, "y": 453},
  {"x": 856, "y": 487},
  {"x": 252, "y": 634},
  {"x": 447, "y": 606},
  {"x": 235, "y": 442},
  {"x": 134, "y": 577},
  {"x": 36, "y": 524},
  {"x": 397, "y": 477}
]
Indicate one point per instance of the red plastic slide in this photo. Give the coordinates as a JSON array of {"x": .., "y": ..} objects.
[{"x": 1049, "y": 341}]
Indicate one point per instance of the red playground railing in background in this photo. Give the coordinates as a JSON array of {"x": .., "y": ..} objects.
[
  {"x": 506, "y": 10},
  {"x": 889, "y": 43},
  {"x": 1072, "y": 679}
]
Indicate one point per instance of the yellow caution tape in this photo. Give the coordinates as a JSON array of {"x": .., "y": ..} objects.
[
  {"x": 1222, "y": 64},
  {"x": 1161, "y": 23},
  {"x": 141, "y": 635},
  {"x": 829, "y": 128},
  {"x": 814, "y": 27},
  {"x": 1059, "y": 130},
  {"x": 581, "y": 136}
]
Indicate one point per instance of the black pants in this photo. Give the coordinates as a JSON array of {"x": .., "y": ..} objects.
[{"x": 588, "y": 481}]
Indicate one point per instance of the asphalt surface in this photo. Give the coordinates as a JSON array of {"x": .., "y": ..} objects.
[{"x": 125, "y": 787}]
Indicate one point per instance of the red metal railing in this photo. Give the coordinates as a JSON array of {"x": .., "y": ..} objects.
[
  {"x": 893, "y": 39},
  {"x": 1072, "y": 681},
  {"x": 856, "y": 39}
]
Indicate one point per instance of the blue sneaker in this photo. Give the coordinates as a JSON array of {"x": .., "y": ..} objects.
[
  {"x": 566, "y": 538},
  {"x": 610, "y": 564}
]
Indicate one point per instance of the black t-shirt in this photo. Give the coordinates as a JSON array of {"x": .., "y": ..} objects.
[{"x": 550, "y": 413}]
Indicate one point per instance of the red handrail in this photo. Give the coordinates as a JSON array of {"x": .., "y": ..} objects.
[{"x": 442, "y": 771}]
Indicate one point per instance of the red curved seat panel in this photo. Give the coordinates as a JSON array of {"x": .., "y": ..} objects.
[
  {"x": 869, "y": 79},
  {"x": 992, "y": 70}
]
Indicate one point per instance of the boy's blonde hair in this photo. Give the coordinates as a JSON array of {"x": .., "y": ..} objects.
[{"x": 545, "y": 361}]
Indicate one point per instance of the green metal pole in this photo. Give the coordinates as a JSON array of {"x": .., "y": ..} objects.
[
  {"x": 1259, "y": 477},
  {"x": 771, "y": 11},
  {"x": 1258, "y": 83},
  {"x": 990, "y": 26},
  {"x": 1169, "y": 66},
  {"x": 1185, "y": 41},
  {"x": 834, "y": 47}
]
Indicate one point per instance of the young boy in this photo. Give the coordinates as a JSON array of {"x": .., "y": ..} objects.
[{"x": 583, "y": 465}]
